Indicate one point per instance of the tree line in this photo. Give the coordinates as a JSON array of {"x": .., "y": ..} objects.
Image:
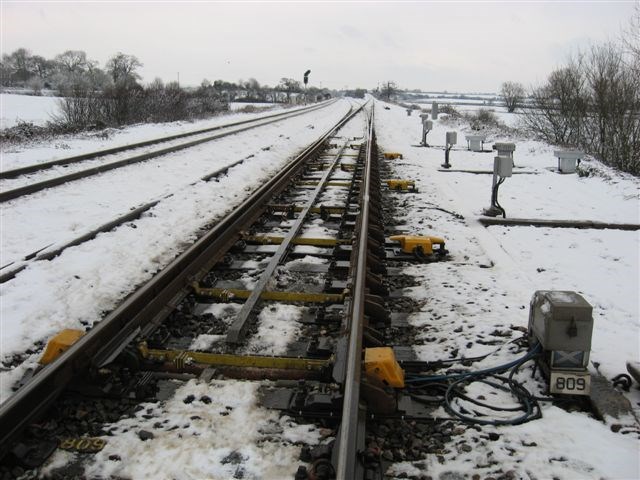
[
  {"x": 114, "y": 95},
  {"x": 591, "y": 103}
]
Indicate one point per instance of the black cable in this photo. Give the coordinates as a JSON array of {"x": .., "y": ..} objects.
[
  {"x": 528, "y": 403},
  {"x": 497, "y": 204}
]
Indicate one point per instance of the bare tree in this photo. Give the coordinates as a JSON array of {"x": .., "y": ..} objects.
[
  {"x": 122, "y": 68},
  {"x": 289, "y": 86},
  {"x": 558, "y": 109},
  {"x": 593, "y": 103},
  {"x": 72, "y": 61},
  {"x": 513, "y": 94},
  {"x": 389, "y": 88},
  {"x": 20, "y": 65},
  {"x": 631, "y": 37}
]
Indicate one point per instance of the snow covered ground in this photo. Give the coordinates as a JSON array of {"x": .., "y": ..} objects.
[
  {"x": 258, "y": 105},
  {"x": 463, "y": 303},
  {"x": 26, "y": 108},
  {"x": 467, "y": 306}
]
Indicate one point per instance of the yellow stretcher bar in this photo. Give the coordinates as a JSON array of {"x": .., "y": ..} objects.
[
  {"x": 311, "y": 183},
  {"x": 284, "y": 208},
  {"x": 185, "y": 357},
  {"x": 227, "y": 294},
  {"x": 316, "y": 242}
]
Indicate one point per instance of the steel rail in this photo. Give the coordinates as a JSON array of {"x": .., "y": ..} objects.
[
  {"x": 46, "y": 254},
  {"x": 123, "y": 148},
  {"x": 351, "y": 436},
  {"x": 54, "y": 182},
  {"x": 145, "y": 307},
  {"x": 239, "y": 326}
]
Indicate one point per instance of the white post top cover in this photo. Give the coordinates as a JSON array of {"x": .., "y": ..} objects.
[{"x": 568, "y": 154}]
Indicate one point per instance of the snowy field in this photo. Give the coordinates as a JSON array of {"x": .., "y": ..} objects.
[
  {"x": 485, "y": 288},
  {"x": 26, "y": 108},
  {"x": 466, "y": 305}
]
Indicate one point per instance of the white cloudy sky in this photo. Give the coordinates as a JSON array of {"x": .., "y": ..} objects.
[{"x": 464, "y": 46}]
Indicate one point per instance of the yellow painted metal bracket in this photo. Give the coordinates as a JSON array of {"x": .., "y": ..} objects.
[
  {"x": 414, "y": 243},
  {"x": 381, "y": 362},
  {"x": 404, "y": 185},
  {"x": 59, "y": 344}
]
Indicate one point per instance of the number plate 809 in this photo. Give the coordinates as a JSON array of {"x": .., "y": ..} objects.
[{"x": 570, "y": 383}]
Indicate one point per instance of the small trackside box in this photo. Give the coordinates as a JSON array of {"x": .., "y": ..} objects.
[{"x": 562, "y": 321}]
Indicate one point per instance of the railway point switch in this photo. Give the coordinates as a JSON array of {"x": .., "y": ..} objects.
[
  {"x": 60, "y": 344},
  {"x": 381, "y": 362},
  {"x": 561, "y": 323},
  {"x": 567, "y": 160},
  {"x": 401, "y": 185},
  {"x": 475, "y": 143},
  {"x": 450, "y": 140},
  {"x": 392, "y": 155}
]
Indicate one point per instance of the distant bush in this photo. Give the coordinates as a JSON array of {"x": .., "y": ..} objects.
[
  {"x": 483, "y": 118},
  {"x": 122, "y": 104},
  {"x": 449, "y": 110},
  {"x": 27, "y": 131}
]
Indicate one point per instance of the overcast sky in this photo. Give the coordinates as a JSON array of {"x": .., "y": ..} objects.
[{"x": 462, "y": 46}]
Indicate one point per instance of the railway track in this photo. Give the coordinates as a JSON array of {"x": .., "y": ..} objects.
[
  {"x": 291, "y": 293},
  {"x": 103, "y": 161},
  {"x": 143, "y": 314}
]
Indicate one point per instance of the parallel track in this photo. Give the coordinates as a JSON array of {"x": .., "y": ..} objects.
[{"x": 29, "y": 189}]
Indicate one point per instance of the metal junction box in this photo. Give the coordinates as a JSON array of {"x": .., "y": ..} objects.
[
  {"x": 567, "y": 160},
  {"x": 452, "y": 138},
  {"x": 505, "y": 149},
  {"x": 503, "y": 166},
  {"x": 562, "y": 323},
  {"x": 475, "y": 142}
]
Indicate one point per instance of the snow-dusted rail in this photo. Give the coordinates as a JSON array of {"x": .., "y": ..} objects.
[
  {"x": 16, "y": 172},
  {"x": 51, "y": 251},
  {"x": 233, "y": 128}
]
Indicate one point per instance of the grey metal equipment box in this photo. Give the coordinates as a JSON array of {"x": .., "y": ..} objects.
[
  {"x": 452, "y": 138},
  {"x": 503, "y": 166},
  {"x": 505, "y": 149},
  {"x": 562, "y": 322},
  {"x": 567, "y": 160},
  {"x": 475, "y": 142}
]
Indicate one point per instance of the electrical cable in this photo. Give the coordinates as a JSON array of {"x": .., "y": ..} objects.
[
  {"x": 496, "y": 203},
  {"x": 451, "y": 385},
  {"x": 487, "y": 371}
]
